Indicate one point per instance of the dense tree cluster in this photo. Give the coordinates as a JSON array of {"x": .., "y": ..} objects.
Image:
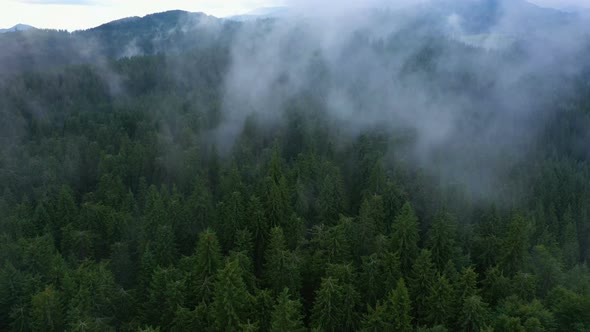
[{"x": 120, "y": 211}]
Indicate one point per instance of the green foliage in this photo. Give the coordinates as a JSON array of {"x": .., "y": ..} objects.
[
  {"x": 441, "y": 240},
  {"x": 286, "y": 315},
  {"x": 327, "y": 312},
  {"x": 400, "y": 307},
  {"x": 46, "y": 311},
  {"x": 440, "y": 302},
  {"x": 421, "y": 283},
  {"x": 165, "y": 295},
  {"x": 232, "y": 301},
  {"x": 124, "y": 206},
  {"x": 474, "y": 314},
  {"x": 405, "y": 236},
  {"x": 282, "y": 265}
]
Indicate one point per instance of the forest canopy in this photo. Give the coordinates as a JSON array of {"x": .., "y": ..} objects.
[{"x": 258, "y": 176}]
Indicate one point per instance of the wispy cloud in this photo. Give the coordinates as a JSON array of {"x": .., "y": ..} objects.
[{"x": 60, "y": 2}]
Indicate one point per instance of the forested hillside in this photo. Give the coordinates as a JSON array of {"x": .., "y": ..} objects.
[{"x": 134, "y": 200}]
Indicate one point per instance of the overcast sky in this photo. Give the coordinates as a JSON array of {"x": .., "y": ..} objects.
[{"x": 81, "y": 14}]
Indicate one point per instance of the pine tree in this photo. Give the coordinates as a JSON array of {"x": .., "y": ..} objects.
[
  {"x": 421, "y": 283},
  {"x": 286, "y": 315},
  {"x": 440, "y": 302},
  {"x": 206, "y": 263},
  {"x": 200, "y": 213},
  {"x": 370, "y": 223},
  {"x": 65, "y": 212},
  {"x": 327, "y": 311},
  {"x": 441, "y": 240},
  {"x": 164, "y": 246},
  {"x": 263, "y": 309},
  {"x": 46, "y": 311},
  {"x": 495, "y": 285},
  {"x": 391, "y": 270},
  {"x": 259, "y": 226},
  {"x": 232, "y": 301},
  {"x": 198, "y": 319},
  {"x": 331, "y": 197},
  {"x": 377, "y": 319},
  {"x": 281, "y": 265},
  {"x": 231, "y": 220},
  {"x": 277, "y": 199},
  {"x": 124, "y": 269},
  {"x": 371, "y": 283},
  {"x": 467, "y": 285},
  {"x": 165, "y": 294},
  {"x": 474, "y": 314},
  {"x": 524, "y": 285},
  {"x": 405, "y": 237},
  {"x": 515, "y": 245},
  {"x": 400, "y": 307},
  {"x": 571, "y": 245},
  {"x": 12, "y": 288},
  {"x": 155, "y": 213},
  {"x": 346, "y": 277}
]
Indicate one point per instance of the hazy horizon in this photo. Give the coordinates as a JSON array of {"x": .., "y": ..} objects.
[{"x": 83, "y": 14}]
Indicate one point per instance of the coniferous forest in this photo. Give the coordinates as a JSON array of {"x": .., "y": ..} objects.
[{"x": 124, "y": 207}]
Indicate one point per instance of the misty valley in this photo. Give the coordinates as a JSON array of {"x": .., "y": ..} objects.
[{"x": 374, "y": 167}]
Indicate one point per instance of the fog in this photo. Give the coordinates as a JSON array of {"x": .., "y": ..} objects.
[{"x": 470, "y": 82}]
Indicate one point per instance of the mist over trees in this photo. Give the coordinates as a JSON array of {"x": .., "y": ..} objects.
[{"x": 415, "y": 169}]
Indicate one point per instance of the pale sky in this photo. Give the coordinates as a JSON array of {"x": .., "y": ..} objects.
[{"x": 82, "y": 14}]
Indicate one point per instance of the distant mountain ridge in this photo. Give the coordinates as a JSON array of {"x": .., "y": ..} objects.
[
  {"x": 18, "y": 27},
  {"x": 171, "y": 32},
  {"x": 479, "y": 23},
  {"x": 261, "y": 13}
]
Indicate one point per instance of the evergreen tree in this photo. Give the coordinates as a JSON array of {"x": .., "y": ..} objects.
[
  {"x": 441, "y": 240},
  {"x": 286, "y": 315},
  {"x": 204, "y": 267},
  {"x": 467, "y": 285},
  {"x": 371, "y": 282},
  {"x": 400, "y": 306},
  {"x": 515, "y": 245},
  {"x": 377, "y": 319},
  {"x": 474, "y": 314},
  {"x": 277, "y": 197},
  {"x": 231, "y": 220},
  {"x": 571, "y": 246},
  {"x": 440, "y": 302},
  {"x": 165, "y": 294},
  {"x": 331, "y": 200},
  {"x": 46, "y": 311},
  {"x": 231, "y": 300},
  {"x": 258, "y": 225},
  {"x": 346, "y": 278},
  {"x": 327, "y": 311},
  {"x": 495, "y": 285},
  {"x": 405, "y": 237},
  {"x": 421, "y": 283},
  {"x": 281, "y": 265}
]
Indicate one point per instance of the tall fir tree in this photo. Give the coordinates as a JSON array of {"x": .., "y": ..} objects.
[
  {"x": 232, "y": 302},
  {"x": 286, "y": 314},
  {"x": 405, "y": 237}
]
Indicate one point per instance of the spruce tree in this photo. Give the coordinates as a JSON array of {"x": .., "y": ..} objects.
[
  {"x": 47, "y": 311},
  {"x": 441, "y": 240},
  {"x": 474, "y": 314},
  {"x": 421, "y": 283},
  {"x": 400, "y": 307},
  {"x": 232, "y": 301},
  {"x": 440, "y": 302},
  {"x": 327, "y": 309},
  {"x": 286, "y": 314},
  {"x": 405, "y": 237}
]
